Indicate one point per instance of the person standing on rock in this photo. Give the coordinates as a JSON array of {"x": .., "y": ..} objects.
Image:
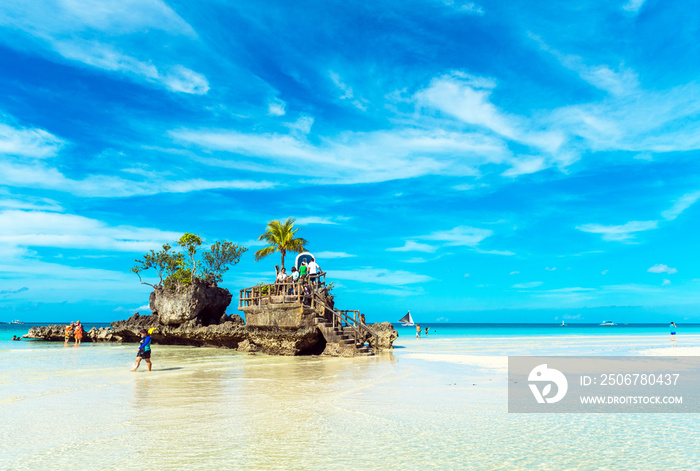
[{"x": 144, "y": 350}]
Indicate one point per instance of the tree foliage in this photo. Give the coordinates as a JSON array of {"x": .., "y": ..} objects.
[
  {"x": 179, "y": 266},
  {"x": 281, "y": 238}
]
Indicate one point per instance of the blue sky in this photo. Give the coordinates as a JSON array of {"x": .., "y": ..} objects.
[{"x": 469, "y": 161}]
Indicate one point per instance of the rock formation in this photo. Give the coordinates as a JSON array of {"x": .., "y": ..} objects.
[
  {"x": 196, "y": 315},
  {"x": 200, "y": 301},
  {"x": 386, "y": 335}
]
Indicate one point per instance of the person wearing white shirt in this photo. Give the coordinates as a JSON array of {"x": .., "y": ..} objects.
[{"x": 314, "y": 270}]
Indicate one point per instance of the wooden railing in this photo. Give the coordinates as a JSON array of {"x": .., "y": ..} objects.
[
  {"x": 303, "y": 290},
  {"x": 306, "y": 292}
]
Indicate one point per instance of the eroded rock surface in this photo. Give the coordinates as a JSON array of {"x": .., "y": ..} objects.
[
  {"x": 199, "y": 301},
  {"x": 386, "y": 335}
]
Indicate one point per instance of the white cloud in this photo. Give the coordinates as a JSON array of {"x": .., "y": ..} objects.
[
  {"x": 495, "y": 252},
  {"x": 526, "y": 166},
  {"x": 276, "y": 107},
  {"x": 661, "y": 268},
  {"x": 37, "y": 175},
  {"x": 316, "y": 220},
  {"x": 666, "y": 283},
  {"x": 48, "y": 229},
  {"x": 459, "y": 236},
  {"x": 633, "y": 5},
  {"x": 412, "y": 246},
  {"x": 348, "y": 93},
  {"x": 322, "y": 255},
  {"x": 70, "y": 28},
  {"x": 514, "y": 272},
  {"x": 380, "y": 276},
  {"x": 604, "y": 272},
  {"x": 550, "y": 269},
  {"x": 467, "y": 98},
  {"x": 104, "y": 56},
  {"x": 532, "y": 284},
  {"x": 467, "y": 7},
  {"x": 302, "y": 125},
  {"x": 467, "y": 275},
  {"x": 41, "y": 204},
  {"x": 680, "y": 205},
  {"x": 33, "y": 142},
  {"x": 350, "y": 157},
  {"x": 619, "y": 233}
]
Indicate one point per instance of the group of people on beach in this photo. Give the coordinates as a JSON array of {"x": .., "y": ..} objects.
[{"x": 76, "y": 329}]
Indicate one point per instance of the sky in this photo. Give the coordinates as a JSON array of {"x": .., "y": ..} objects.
[{"x": 469, "y": 161}]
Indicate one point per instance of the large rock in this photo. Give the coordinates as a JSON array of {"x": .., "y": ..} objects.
[
  {"x": 229, "y": 332},
  {"x": 386, "y": 335},
  {"x": 201, "y": 302},
  {"x": 57, "y": 333}
]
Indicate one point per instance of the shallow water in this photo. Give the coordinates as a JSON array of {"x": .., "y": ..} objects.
[{"x": 435, "y": 403}]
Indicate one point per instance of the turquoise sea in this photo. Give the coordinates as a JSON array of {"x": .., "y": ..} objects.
[{"x": 439, "y": 402}]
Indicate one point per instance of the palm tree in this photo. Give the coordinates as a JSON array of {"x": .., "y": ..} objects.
[{"x": 280, "y": 236}]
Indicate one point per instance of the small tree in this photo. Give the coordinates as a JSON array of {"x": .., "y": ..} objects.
[
  {"x": 281, "y": 238},
  {"x": 180, "y": 268}
]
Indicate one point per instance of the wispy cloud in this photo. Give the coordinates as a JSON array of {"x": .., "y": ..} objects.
[
  {"x": 327, "y": 254},
  {"x": 62, "y": 28},
  {"x": 413, "y": 246},
  {"x": 633, "y": 5},
  {"x": 23, "y": 142},
  {"x": 622, "y": 232},
  {"x": 380, "y": 276},
  {"x": 276, "y": 107},
  {"x": 459, "y": 236},
  {"x": 680, "y": 205},
  {"x": 661, "y": 268},
  {"x": 617, "y": 82},
  {"x": 325, "y": 220},
  {"x": 47, "y": 229},
  {"x": 531, "y": 284}
]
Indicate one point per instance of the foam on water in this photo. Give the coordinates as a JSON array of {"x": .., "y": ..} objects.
[{"x": 435, "y": 403}]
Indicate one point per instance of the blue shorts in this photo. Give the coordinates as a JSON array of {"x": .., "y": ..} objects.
[{"x": 673, "y": 333}]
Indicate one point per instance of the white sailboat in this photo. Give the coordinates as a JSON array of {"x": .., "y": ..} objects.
[{"x": 407, "y": 320}]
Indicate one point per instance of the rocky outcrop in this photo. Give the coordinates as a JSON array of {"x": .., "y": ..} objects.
[
  {"x": 229, "y": 332},
  {"x": 202, "y": 302},
  {"x": 57, "y": 333},
  {"x": 386, "y": 334}
]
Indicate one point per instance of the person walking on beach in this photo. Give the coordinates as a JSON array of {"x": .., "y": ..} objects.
[
  {"x": 78, "y": 333},
  {"x": 417, "y": 331},
  {"x": 69, "y": 329},
  {"x": 673, "y": 332},
  {"x": 144, "y": 350}
]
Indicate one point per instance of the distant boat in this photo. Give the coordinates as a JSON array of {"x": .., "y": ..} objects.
[
  {"x": 562, "y": 324},
  {"x": 407, "y": 320},
  {"x": 16, "y": 321},
  {"x": 608, "y": 323}
]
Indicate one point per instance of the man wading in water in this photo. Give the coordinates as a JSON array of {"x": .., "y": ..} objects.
[{"x": 144, "y": 350}]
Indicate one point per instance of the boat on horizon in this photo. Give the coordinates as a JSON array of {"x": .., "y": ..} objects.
[
  {"x": 407, "y": 320},
  {"x": 608, "y": 323},
  {"x": 562, "y": 324},
  {"x": 16, "y": 321}
]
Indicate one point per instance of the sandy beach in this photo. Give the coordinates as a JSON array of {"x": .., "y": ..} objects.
[{"x": 436, "y": 403}]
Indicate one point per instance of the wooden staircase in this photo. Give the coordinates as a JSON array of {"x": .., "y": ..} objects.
[{"x": 349, "y": 332}]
